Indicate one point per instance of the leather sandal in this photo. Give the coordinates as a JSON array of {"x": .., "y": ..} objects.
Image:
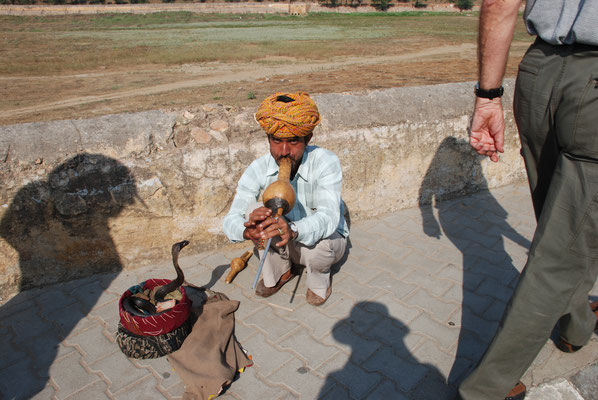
[
  {"x": 517, "y": 393},
  {"x": 567, "y": 347},
  {"x": 316, "y": 300},
  {"x": 264, "y": 291}
]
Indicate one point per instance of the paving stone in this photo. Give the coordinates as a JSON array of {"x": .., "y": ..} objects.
[
  {"x": 360, "y": 254},
  {"x": 19, "y": 381},
  {"x": 301, "y": 379},
  {"x": 433, "y": 389},
  {"x": 404, "y": 374},
  {"x": 396, "y": 335},
  {"x": 435, "y": 358},
  {"x": 490, "y": 287},
  {"x": 310, "y": 350},
  {"x": 91, "y": 294},
  {"x": 44, "y": 349},
  {"x": 108, "y": 316},
  {"x": 337, "y": 392},
  {"x": 119, "y": 371},
  {"x": 386, "y": 391},
  {"x": 142, "y": 389},
  {"x": 318, "y": 323},
  {"x": 53, "y": 299},
  {"x": 397, "y": 287},
  {"x": 470, "y": 345},
  {"x": 495, "y": 311},
  {"x": 421, "y": 278},
  {"x": 10, "y": 354},
  {"x": 472, "y": 279},
  {"x": 355, "y": 289},
  {"x": 251, "y": 386},
  {"x": 446, "y": 336},
  {"x": 424, "y": 263},
  {"x": 451, "y": 272},
  {"x": 388, "y": 264},
  {"x": 387, "y": 305},
  {"x": 95, "y": 391},
  {"x": 269, "y": 323},
  {"x": 354, "y": 268},
  {"x": 94, "y": 344},
  {"x": 267, "y": 357},
  {"x": 355, "y": 379},
  {"x": 359, "y": 348},
  {"x": 27, "y": 325},
  {"x": 479, "y": 326},
  {"x": 70, "y": 319},
  {"x": 70, "y": 376},
  {"x": 394, "y": 247},
  {"x": 438, "y": 309},
  {"x": 340, "y": 307},
  {"x": 243, "y": 332},
  {"x": 48, "y": 392},
  {"x": 161, "y": 369},
  {"x": 365, "y": 315},
  {"x": 178, "y": 390},
  {"x": 386, "y": 230}
]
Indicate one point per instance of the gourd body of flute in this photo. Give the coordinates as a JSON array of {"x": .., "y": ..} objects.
[
  {"x": 237, "y": 265},
  {"x": 280, "y": 195}
]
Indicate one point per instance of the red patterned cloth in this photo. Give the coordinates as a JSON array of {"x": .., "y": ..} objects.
[{"x": 154, "y": 325}]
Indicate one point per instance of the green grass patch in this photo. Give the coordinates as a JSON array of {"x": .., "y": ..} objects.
[{"x": 41, "y": 45}]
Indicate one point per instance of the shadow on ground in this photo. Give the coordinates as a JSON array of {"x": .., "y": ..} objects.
[{"x": 455, "y": 171}]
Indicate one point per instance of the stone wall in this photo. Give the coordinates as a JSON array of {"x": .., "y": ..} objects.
[{"x": 111, "y": 193}]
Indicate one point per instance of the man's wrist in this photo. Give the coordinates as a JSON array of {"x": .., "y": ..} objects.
[
  {"x": 488, "y": 93},
  {"x": 293, "y": 230}
]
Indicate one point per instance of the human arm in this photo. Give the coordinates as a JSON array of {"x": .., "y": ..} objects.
[
  {"x": 496, "y": 27},
  {"x": 248, "y": 189}
]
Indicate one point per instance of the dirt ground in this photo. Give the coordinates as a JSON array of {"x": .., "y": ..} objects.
[{"x": 43, "y": 98}]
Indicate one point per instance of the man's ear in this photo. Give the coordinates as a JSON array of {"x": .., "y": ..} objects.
[{"x": 308, "y": 138}]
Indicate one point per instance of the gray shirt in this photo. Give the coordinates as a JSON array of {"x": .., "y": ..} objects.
[{"x": 563, "y": 21}]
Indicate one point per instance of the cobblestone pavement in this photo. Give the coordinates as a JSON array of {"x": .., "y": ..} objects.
[{"x": 413, "y": 305}]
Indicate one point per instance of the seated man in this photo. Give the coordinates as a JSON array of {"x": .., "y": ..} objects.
[{"x": 314, "y": 233}]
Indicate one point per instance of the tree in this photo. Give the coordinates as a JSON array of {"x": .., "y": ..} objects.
[{"x": 464, "y": 4}]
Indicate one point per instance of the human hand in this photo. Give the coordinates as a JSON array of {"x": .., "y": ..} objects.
[
  {"x": 253, "y": 227},
  {"x": 275, "y": 226},
  {"x": 487, "y": 132}
]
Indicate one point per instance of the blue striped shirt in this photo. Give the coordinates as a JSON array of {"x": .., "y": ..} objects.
[{"x": 318, "y": 210}]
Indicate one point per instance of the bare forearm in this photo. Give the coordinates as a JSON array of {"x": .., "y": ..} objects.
[{"x": 497, "y": 24}]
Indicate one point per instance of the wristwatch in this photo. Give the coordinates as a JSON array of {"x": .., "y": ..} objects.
[
  {"x": 488, "y": 94},
  {"x": 294, "y": 229}
]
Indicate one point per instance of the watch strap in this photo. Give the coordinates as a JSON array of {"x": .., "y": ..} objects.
[{"x": 489, "y": 93}]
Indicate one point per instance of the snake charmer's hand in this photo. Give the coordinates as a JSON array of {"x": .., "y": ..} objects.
[
  {"x": 276, "y": 226},
  {"x": 487, "y": 133},
  {"x": 253, "y": 227}
]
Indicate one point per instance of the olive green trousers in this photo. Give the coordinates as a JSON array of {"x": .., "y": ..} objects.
[{"x": 556, "y": 109}]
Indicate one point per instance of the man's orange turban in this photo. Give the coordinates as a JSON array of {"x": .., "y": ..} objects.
[{"x": 284, "y": 115}]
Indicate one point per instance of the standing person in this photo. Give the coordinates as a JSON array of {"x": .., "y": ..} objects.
[
  {"x": 556, "y": 110},
  {"x": 314, "y": 233}
]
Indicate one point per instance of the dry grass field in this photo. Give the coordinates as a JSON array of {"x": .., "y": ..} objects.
[{"x": 59, "y": 67}]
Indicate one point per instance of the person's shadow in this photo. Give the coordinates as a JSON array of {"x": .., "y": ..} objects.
[
  {"x": 380, "y": 365},
  {"x": 477, "y": 227},
  {"x": 60, "y": 228}
]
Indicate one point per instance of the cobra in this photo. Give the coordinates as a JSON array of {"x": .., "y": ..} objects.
[{"x": 134, "y": 305}]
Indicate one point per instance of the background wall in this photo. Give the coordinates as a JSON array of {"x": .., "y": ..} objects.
[{"x": 85, "y": 196}]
